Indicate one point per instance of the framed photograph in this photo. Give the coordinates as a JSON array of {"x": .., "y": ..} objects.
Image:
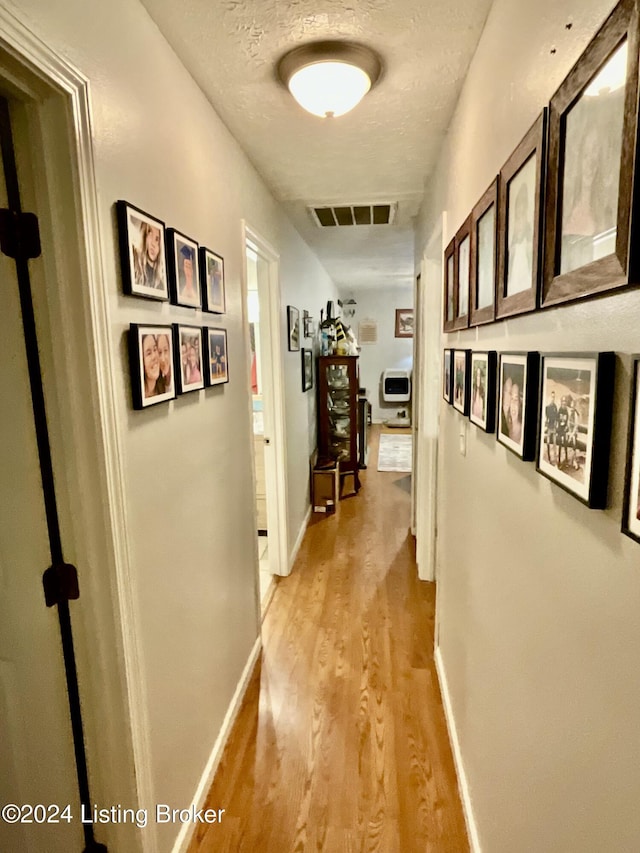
[
  {"x": 184, "y": 270},
  {"x": 307, "y": 369},
  {"x": 151, "y": 359},
  {"x": 482, "y": 404},
  {"x": 449, "y": 284},
  {"x": 461, "y": 368},
  {"x": 217, "y": 372},
  {"x": 462, "y": 276},
  {"x": 212, "y": 281},
  {"x": 307, "y": 325},
  {"x": 447, "y": 376},
  {"x": 404, "y": 323},
  {"x": 484, "y": 257},
  {"x": 189, "y": 360},
  {"x": 574, "y": 423},
  {"x": 293, "y": 325},
  {"x": 519, "y": 214},
  {"x": 517, "y": 404},
  {"x": 591, "y": 234},
  {"x": 142, "y": 252},
  {"x": 631, "y": 502}
]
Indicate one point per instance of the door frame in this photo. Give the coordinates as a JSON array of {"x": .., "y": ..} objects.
[
  {"x": 272, "y": 361},
  {"x": 82, "y": 405}
]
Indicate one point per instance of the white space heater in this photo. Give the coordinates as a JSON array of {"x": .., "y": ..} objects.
[{"x": 396, "y": 386}]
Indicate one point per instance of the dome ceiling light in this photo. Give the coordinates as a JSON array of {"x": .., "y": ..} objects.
[{"x": 329, "y": 78}]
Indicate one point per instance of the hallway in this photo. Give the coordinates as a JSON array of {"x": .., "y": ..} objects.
[{"x": 341, "y": 743}]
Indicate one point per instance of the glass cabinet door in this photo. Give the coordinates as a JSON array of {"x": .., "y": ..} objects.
[{"x": 339, "y": 410}]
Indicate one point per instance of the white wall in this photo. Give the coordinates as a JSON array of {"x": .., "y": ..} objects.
[
  {"x": 538, "y": 596},
  {"x": 379, "y": 304},
  {"x": 188, "y": 488}
]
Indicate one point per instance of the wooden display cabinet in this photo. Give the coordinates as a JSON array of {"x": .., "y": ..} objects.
[{"x": 338, "y": 413}]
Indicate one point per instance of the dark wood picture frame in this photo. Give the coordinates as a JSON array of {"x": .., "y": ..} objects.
[
  {"x": 217, "y": 357},
  {"x": 461, "y": 375},
  {"x": 584, "y": 472},
  {"x": 140, "y": 277},
  {"x": 449, "y": 278},
  {"x": 631, "y": 500},
  {"x": 148, "y": 385},
  {"x": 214, "y": 298},
  {"x": 403, "y": 329},
  {"x": 189, "y": 364},
  {"x": 307, "y": 369},
  {"x": 447, "y": 375},
  {"x": 293, "y": 328},
  {"x": 180, "y": 251},
  {"x": 482, "y": 396},
  {"x": 462, "y": 289},
  {"x": 533, "y": 145},
  {"x": 486, "y": 313},
  {"x": 621, "y": 266},
  {"x": 524, "y": 367}
]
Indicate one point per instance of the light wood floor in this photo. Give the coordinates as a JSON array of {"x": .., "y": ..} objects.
[{"x": 341, "y": 743}]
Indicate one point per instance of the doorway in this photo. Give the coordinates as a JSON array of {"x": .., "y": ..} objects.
[{"x": 262, "y": 312}]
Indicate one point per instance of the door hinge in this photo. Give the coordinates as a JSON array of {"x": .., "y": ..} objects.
[
  {"x": 19, "y": 234},
  {"x": 60, "y": 584}
]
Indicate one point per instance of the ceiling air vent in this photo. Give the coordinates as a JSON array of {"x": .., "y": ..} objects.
[{"x": 330, "y": 216}]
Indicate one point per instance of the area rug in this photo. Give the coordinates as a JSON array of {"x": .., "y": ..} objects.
[{"x": 395, "y": 453}]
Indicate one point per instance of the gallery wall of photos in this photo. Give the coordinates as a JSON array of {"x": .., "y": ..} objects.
[
  {"x": 165, "y": 265},
  {"x": 558, "y": 224}
]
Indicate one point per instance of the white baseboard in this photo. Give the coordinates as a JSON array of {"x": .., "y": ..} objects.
[
  {"x": 463, "y": 787},
  {"x": 301, "y": 532},
  {"x": 186, "y": 831}
]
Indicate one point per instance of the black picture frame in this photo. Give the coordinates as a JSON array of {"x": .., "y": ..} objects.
[
  {"x": 184, "y": 269},
  {"x": 519, "y": 260},
  {"x": 461, "y": 384},
  {"x": 189, "y": 357},
  {"x": 212, "y": 282},
  {"x": 517, "y": 410},
  {"x": 447, "y": 376},
  {"x": 631, "y": 498},
  {"x": 581, "y": 426},
  {"x": 484, "y": 240},
  {"x": 307, "y": 369},
  {"x": 293, "y": 328},
  {"x": 149, "y": 385},
  {"x": 586, "y": 206},
  {"x": 482, "y": 396},
  {"x": 140, "y": 235},
  {"x": 217, "y": 357}
]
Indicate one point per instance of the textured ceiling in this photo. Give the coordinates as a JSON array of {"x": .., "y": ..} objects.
[{"x": 382, "y": 151}]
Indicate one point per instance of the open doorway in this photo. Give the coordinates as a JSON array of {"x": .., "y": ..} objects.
[{"x": 267, "y": 410}]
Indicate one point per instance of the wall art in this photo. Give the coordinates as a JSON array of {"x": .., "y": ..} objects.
[
  {"x": 151, "y": 358},
  {"x": 142, "y": 252},
  {"x": 517, "y": 409}
]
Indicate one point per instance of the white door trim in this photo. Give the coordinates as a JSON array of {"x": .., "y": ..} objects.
[
  {"x": 276, "y": 462},
  {"x": 108, "y": 649}
]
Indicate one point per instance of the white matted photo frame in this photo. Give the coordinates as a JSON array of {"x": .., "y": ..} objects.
[
  {"x": 631, "y": 502},
  {"x": 574, "y": 423},
  {"x": 517, "y": 402},
  {"x": 151, "y": 359},
  {"x": 447, "y": 375},
  {"x": 482, "y": 400},
  {"x": 184, "y": 270},
  {"x": 293, "y": 327},
  {"x": 212, "y": 281},
  {"x": 189, "y": 360},
  {"x": 142, "y": 252},
  {"x": 484, "y": 257},
  {"x": 461, "y": 368},
  {"x": 217, "y": 372}
]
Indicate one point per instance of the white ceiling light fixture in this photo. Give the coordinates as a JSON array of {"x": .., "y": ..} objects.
[{"x": 329, "y": 78}]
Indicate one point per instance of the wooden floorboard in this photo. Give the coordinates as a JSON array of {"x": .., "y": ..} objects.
[{"x": 341, "y": 744}]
